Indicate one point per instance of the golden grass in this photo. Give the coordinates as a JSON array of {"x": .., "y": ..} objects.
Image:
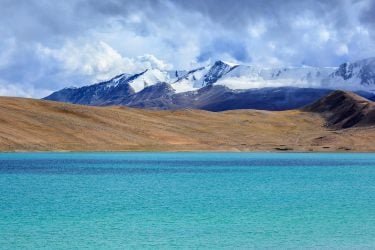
[{"x": 35, "y": 125}]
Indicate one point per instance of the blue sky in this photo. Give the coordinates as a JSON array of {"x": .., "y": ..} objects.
[{"x": 47, "y": 45}]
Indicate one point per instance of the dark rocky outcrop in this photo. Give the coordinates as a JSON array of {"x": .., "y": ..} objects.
[{"x": 344, "y": 110}]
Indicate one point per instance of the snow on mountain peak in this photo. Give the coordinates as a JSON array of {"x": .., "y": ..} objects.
[
  {"x": 119, "y": 79},
  {"x": 236, "y": 76},
  {"x": 245, "y": 77},
  {"x": 217, "y": 70},
  {"x": 230, "y": 64},
  {"x": 147, "y": 78},
  {"x": 358, "y": 75}
]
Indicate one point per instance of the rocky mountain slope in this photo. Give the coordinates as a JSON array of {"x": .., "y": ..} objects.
[
  {"x": 37, "y": 125},
  {"x": 344, "y": 109}
]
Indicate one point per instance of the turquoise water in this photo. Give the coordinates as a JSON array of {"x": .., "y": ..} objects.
[{"x": 187, "y": 200}]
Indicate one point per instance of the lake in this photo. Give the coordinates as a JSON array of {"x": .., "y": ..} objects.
[{"x": 187, "y": 200}]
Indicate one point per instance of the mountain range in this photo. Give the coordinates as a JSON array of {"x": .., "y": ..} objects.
[{"x": 225, "y": 86}]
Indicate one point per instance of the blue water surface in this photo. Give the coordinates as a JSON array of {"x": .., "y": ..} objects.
[{"x": 187, "y": 200}]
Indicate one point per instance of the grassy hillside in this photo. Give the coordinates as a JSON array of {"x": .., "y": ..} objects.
[{"x": 35, "y": 125}]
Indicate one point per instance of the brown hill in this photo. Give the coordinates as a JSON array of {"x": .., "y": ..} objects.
[
  {"x": 35, "y": 125},
  {"x": 344, "y": 109}
]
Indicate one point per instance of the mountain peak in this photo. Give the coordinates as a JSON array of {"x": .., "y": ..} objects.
[
  {"x": 218, "y": 69},
  {"x": 222, "y": 62}
]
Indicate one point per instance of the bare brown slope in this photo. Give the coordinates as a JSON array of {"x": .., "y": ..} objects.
[
  {"x": 34, "y": 125},
  {"x": 344, "y": 109}
]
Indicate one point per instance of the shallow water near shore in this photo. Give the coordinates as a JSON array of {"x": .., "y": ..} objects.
[{"x": 187, "y": 200}]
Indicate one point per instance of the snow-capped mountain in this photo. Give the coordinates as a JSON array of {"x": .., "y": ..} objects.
[
  {"x": 356, "y": 75},
  {"x": 182, "y": 86},
  {"x": 246, "y": 77},
  {"x": 236, "y": 76}
]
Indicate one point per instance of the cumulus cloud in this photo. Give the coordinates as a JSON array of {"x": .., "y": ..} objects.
[
  {"x": 342, "y": 49},
  {"x": 47, "y": 45},
  {"x": 151, "y": 62},
  {"x": 91, "y": 59},
  {"x": 97, "y": 59}
]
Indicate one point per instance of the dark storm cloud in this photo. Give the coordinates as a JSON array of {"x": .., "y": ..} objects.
[
  {"x": 368, "y": 16},
  {"x": 234, "y": 14},
  {"x": 45, "y": 19},
  {"x": 34, "y": 17}
]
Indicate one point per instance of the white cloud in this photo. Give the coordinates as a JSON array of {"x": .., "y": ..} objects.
[
  {"x": 342, "y": 49},
  {"x": 97, "y": 60},
  {"x": 304, "y": 21},
  {"x": 257, "y": 30},
  {"x": 324, "y": 35},
  {"x": 271, "y": 45},
  {"x": 151, "y": 62}
]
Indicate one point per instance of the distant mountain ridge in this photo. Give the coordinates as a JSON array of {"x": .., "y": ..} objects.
[{"x": 225, "y": 86}]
